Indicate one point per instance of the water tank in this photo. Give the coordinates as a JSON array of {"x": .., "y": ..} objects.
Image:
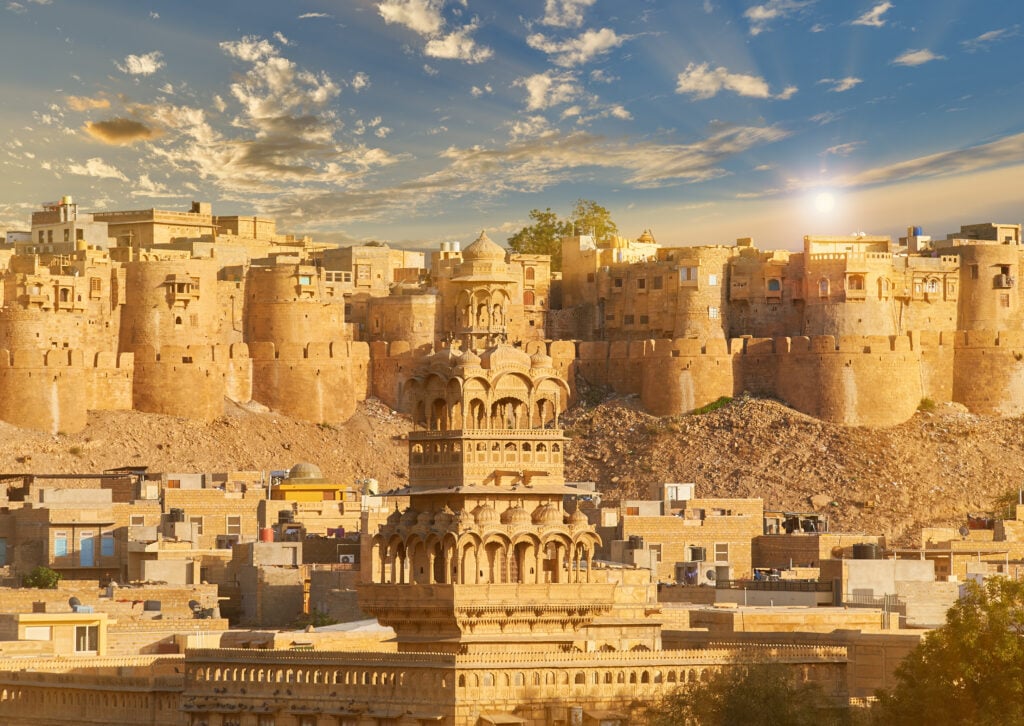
[
  {"x": 266, "y": 534},
  {"x": 867, "y": 551},
  {"x": 456, "y": 246},
  {"x": 918, "y": 231},
  {"x": 446, "y": 246}
]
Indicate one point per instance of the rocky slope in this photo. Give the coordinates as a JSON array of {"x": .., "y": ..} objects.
[{"x": 931, "y": 470}]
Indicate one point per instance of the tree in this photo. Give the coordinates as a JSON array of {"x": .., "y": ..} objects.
[
  {"x": 591, "y": 218},
  {"x": 758, "y": 694},
  {"x": 543, "y": 237},
  {"x": 42, "y": 578},
  {"x": 971, "y": 670}
]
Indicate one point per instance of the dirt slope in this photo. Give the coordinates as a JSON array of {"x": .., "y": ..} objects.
[{"x": 930, "y": 470}]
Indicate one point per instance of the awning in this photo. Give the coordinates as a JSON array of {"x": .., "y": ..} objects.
[
  {"x": 605, "y": 715},
  {"x": 497, "y": 719}
]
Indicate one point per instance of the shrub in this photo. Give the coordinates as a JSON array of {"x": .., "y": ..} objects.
[
  {"x": 713, "y": 406},
  {"x": 926, "y": 404},
  {"x": 42, "y": 578}
]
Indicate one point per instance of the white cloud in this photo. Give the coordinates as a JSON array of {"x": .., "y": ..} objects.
[
  {"x": 916, "y": 58},
  {"x": 599, "y": 75},
  {"x": 842, "y": 149},
  {"x": 420, "y": 16},
  {"x": 146, "y": 187},
  {"x": 580, "y": 50},
  {"x": 565, "y": 13},
  {"x": 310, "y": 16},
  {"x": 360, "y": 81},
  {"x": 167, "y": 88},
  {"x": 281, "y": 38},
  {"x": 16, "y": 7},
  {"x": 759, "y": 16},
  {"x": 548, "y": 89},
  {"x": 141, "y": 65},
  {"x": 219, "y": 104},
  {"x": 96, "y": 168},
  {"x": 477, "y": 91},
  {"x": 839, "y": 85},
  {"x": 154, "y": 15},
  {"x": 873, "y": 17},
  {"x": 423, "y": 17},
  {"x": 818, "y": 28},
  {"x": 457, "y": 45},
  {"x": 983, "y": 41},
  {"x": 620, "y": 112},
  {"x": 530, "y": 126},
  {"x": 430, "y": 70},
  {"x": 702, "y": 82},
  {"x": 382, "y": 132}
]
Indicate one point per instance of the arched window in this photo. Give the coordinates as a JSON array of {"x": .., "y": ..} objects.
[
  {"x": 529, "y": 298},
  {"x": 855, "y": 282},
  {"x": 530, "y": 274},
  {"x": 823, "y": 287}
]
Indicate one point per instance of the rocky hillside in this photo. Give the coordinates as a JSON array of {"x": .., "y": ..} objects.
[{"x": 933, "y": 469}]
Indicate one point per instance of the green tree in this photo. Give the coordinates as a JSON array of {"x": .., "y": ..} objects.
[
  {"x": 42, "y": 578},
  {"x": 969, "y": 671},
  {"x": 591, "y": 218},
  {"x": 543, "y": 237},
  {"x": 758, "y": 694}
]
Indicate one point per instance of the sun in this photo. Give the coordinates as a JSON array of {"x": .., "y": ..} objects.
[{"x": 825, "y": 202}]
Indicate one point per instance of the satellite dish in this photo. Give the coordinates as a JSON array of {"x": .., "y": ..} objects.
[
  {"x": 964, "y": 531},
  {"x": 74, "y": 602},
  {"x": 710, "y": 574},
  {"x": 194, "y": 605}
]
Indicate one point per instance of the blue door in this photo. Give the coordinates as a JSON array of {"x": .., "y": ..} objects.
[{"x": 86, "y": 550}]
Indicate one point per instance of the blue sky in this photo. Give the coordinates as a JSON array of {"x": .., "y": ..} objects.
[{"x": 420, "y": 121}]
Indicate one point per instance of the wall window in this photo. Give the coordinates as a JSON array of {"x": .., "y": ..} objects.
[
  {"x": 137, "y": 520},
  {"x": 107, "y": 544},
  {"x": 529, "y": 298},
  {"x": 234, "y": 524},
  {"x": 712, "y": 280},
  {"x": 590, "y": 277},
  {"x": 87, "y": 638},
  {"x": 713, "y": 313},
  {"x": 305, "y": 280},
  {"x": 774, "y": 285},
  {"x": 931, "y": 286},
  {"x": 641, "y": 284},
  {"x": 3, "y": 551},
  {"x": 721, "y": 551},
  {"x": 855, "y": 282},
  {"x": 657, "y": 283},
  {"x": 687, "y": 274},
  {"x": 618, "y": 282},
  {"x": 87, "y": 549},
  {"x": 644, "y": 320},
  {"x": 266, "y": 720},
  {"x": 60, "y": 544},
  {"x": 530, "y": 274},
  {"x": 823, "y": 287},
  {"x": 627, "y": 319},
  {"x": 1004, "y": 300},
  {"x": 197, "y": 523}
]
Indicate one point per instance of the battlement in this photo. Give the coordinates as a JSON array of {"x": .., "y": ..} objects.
[{"x": 341, "y": 350}]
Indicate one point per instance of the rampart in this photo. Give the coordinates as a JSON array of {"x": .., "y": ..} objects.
[
  {"x": 850, "y": 380},
  {"x": 191, "y": 381}
]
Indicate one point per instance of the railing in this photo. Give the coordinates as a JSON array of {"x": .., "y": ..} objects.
[
  {"x": 775, "y": 585},
  {"x": 488, "y": 434}
]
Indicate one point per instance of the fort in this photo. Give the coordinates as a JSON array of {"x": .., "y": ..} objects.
[{"x": 177, "y": 312}]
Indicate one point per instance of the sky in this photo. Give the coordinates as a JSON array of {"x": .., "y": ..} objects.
[{"x": 421, "y": 121}]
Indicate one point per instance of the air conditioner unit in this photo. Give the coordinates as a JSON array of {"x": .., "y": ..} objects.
[{"x": 347, "y": 559}]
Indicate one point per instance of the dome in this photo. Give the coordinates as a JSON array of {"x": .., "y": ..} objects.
[
  {"x": 394, "y": 518},
  {"x": 516, "y": 516},
  {"x": 503, "y": 355},
  {"x": 578, "y": 517},
  {"x": 409, "y": 516},
  {"x": 484, "y": 249},
  {"x": 547, "y": 514},
  {"x": 444, "y": 518},
  {"x": 469, "y": 359},
  {"x": 485, "y": 515},
  {"x": 540, "y": 359},
  {"x": 424, "y": 519},
  {"x": 305, "y": 470}
]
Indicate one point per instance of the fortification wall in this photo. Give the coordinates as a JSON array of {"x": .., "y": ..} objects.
[
  {"x": 318, "y": 382},
  {"x": 107, "y": 382},
  {"x": 43, "y": 390},
  {"x": 685, "y": 374},
  {"x": 188, "y": 381},
  {"x": 988, "y": 372}
]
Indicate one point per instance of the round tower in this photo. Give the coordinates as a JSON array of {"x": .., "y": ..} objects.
[
  {"x": 286, "y": 305},
  {"x": 989, "y": 287},
  {"x": 170, "y": 303}
]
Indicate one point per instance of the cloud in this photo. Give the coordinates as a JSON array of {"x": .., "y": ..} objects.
[
  {"x": 119, "y": 131},
  {"x": 96, "y": 168},
  {"x": 146, "y": 187},
  {"x": 457, "y": 45},
  {"x": 424, "y": 18},
  {"x": 16, "y": 7},
  {"x": 915, "y": 58},
  {"x": 873, "y": 17},
  {"x": 760, "y": 16},
  {"x": 565, "y": 13},
  {"x": 825, "y": 117},
  {"x": 839, "y": 85},
  {"x": 83, "y": 103},
  {"x": 842, "y": 149},
  {"x": 983, "y": 41},
  {"x": 580, "y": 50},
  {"x": 311, "y": 16},
  {"x": 477, "y": 91},
  {"x": 281, "y": 38},
  {"x": 420, "y": 16},
  {"x": 141, "y": 65},
  {"x": 702, "y": 82},
  {"x": 360, "y": 81},
  {"x": 548, "y": 89}
]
